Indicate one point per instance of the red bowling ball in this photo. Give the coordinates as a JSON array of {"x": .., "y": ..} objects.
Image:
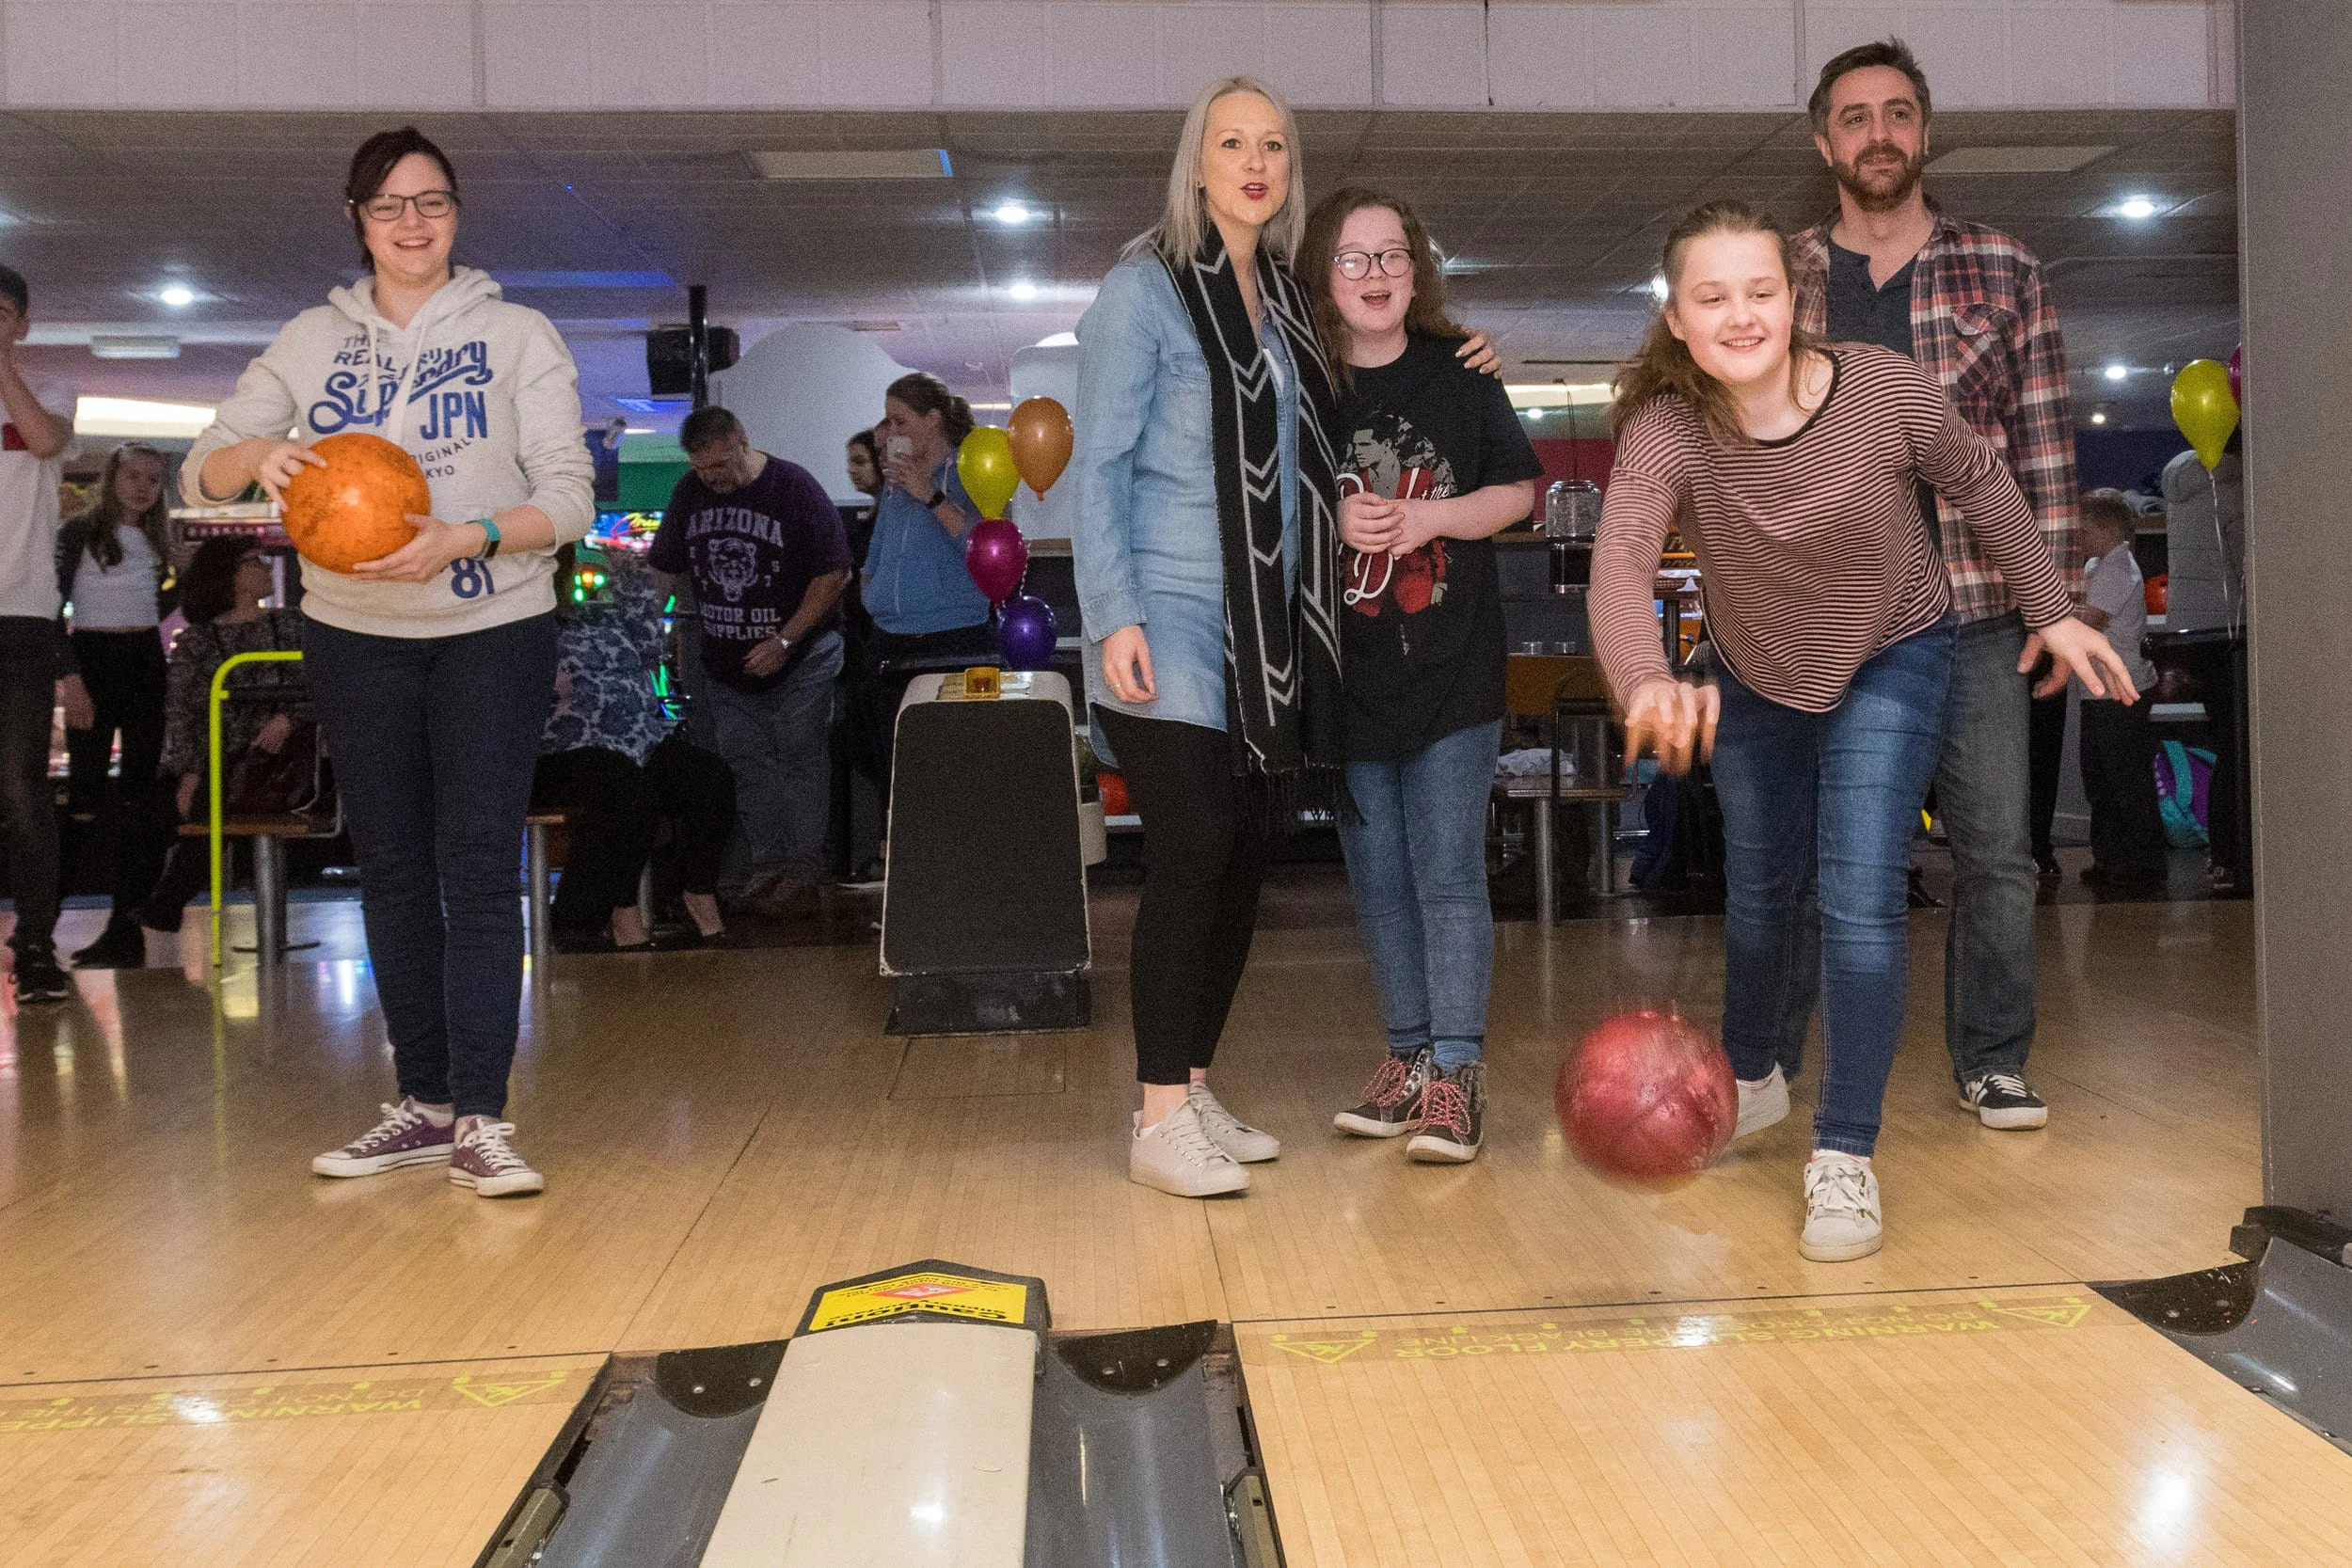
[{"x": 1646, "y": 1100}]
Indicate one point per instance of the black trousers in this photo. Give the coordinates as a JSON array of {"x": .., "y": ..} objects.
[
  {"x": 609, "y": 829},
  {"x": 1203, "y": 851},
  {"x": 125, "y": 673},
  {"x": 613, "y": 809},
  {"x": 29, "y": 689},
  {"x": 2217, "y": 679},
  {"x": 2046, "y": 752},
  {"x": 2119, "y": 776}
]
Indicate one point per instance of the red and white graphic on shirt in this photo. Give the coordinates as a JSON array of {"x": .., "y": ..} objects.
[{"x": 1395, "y": 460}]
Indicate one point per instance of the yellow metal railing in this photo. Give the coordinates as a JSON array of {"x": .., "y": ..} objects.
[{"x": 220, "y": 694}]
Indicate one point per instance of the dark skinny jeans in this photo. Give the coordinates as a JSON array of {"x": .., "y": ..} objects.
[
  {"x": 433, "y": 740},
  {"x": 1204, "y": 846}
]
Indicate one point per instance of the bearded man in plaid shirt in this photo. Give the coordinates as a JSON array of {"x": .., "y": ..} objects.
[{"x": 1970, "y": 304}]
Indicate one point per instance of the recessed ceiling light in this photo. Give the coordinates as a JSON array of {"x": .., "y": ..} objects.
[
  {"x": 2117, "y": 373},
  {"x": 2098, "y": 419},
  {"x": 1658, "y": 288},
  {"x": 1023, "y": 290},
  {"x": 1012, "y": 212},
  {"x": 178, "y": 295},
  {"x": 2135, "y": 207}
]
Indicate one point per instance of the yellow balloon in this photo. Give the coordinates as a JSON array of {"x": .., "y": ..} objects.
[
  {"x": 2203, "y": 408},
  {"x": 985, "y": 465}
]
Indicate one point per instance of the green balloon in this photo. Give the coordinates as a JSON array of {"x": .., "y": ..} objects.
[
  {"x": 985, "y": 465},
  {"x": 2204, "y": 407}
]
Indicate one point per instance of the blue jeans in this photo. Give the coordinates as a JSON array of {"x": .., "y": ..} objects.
[
  {"x": 1828, "y": 800},
  {"x": 433, "y": 740},
  {"x": 777, "y": 743},
  {"x": 1984, "y": 794},
  {"x": 1417, "y": 866}
]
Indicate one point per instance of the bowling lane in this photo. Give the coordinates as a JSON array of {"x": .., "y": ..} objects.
[
  {"x": 360, "y": 1467},
  {"x": 2133, "y": 1178},
  {"x": 1983, "y": 1426}
]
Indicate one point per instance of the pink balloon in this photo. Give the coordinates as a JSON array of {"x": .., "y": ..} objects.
[
  {"x": 997, "y": 557},
  {"x": 2237, "y": 376}
]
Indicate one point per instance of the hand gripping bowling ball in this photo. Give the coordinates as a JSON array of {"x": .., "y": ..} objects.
[
  {"x": 355, "y": 508},
  {"x": 1646, "y": 1100}
]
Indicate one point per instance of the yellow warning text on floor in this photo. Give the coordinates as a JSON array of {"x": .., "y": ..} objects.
[
  {"x": 951, "y": 1295},
  {"x": 86, "y": 1411},
  {"x": 1507, "y": 1338}
]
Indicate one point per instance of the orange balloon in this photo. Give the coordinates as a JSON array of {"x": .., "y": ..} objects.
[
  {"x": 355, "y": 508},
  {"x": 1041, "y": 441}
]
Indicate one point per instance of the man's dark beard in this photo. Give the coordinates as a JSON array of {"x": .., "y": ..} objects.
[{"x": 1849, "y": 179}]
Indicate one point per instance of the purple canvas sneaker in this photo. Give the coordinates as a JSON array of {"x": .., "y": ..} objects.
[
  {"x": 483, "y": 1161},
  {"x": 405, "y": 1136}
]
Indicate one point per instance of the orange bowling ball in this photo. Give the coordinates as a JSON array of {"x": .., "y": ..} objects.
[
  {"x": 1646, "y": 1100},
  {"x": 355, "y": 508}
]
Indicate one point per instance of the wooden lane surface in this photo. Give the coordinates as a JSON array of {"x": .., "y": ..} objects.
[
  {"x": 723, "y": 1132},
  {"x": 1951, "y": 1427},
  {"x": 363, "y": 1468}
]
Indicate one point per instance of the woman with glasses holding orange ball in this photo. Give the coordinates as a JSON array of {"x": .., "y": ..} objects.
[{"x": 432, "y": 668}]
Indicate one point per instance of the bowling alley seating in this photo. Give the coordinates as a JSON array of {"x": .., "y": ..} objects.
[{"x": 1565, "y": 697}]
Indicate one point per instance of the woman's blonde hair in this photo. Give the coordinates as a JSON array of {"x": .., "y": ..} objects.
[
  {"x": 1662, "y": 367},
  {"x": 1185, "y": 222}
]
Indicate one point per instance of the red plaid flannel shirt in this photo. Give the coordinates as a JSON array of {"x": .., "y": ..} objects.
[{"x": 1981, "y": 321}]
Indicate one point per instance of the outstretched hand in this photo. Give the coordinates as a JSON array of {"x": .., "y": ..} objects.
[
  {"x": 1673, "y": 721},
  {"x": 2076, "y": 650}
]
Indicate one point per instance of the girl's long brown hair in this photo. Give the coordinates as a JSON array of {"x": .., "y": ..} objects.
[
  {"x": 1427, "y": 311},
  {"x": 1662, "y": 367},
  {"x": 105, "y": 513}
]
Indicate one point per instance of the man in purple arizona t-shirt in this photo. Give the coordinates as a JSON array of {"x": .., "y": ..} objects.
[{"x": 768, "y": 557}]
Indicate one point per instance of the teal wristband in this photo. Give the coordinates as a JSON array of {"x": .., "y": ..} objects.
[{"x": 490, "y": 539}]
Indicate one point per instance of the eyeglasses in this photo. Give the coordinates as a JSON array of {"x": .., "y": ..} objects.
[
  {"x": 429, "y": 205},
  {"x": 1388, "y": 264}
]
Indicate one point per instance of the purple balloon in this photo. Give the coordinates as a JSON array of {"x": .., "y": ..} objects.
[
  {"x": 997, "y": 557},
  {"x": 1026, "y": 632}
]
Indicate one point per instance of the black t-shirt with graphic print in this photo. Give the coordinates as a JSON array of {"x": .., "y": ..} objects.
[
  {"x": 751, "y": 554},
  {"x": 1422, "y": 639}
]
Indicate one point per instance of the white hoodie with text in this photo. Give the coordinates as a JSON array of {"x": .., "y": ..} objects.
[{"x": 485, "y": 396}]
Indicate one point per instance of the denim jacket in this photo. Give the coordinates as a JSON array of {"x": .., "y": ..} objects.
[
  {"x": 1146, "y": 539},
  {"x": 916, "y": 580}
]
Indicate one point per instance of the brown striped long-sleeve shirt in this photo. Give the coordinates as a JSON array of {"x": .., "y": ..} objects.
[{"x": 1812, "y": 554}]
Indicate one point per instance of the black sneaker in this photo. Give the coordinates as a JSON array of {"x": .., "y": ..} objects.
[
  {"x": 1453, "y": 1118},
  {"x": 2005, "y": 1101},
  {"x": 2046, "y": 866},
  {"x": 122, "y": 946},
  {"x": 1392, "y": 1103},
  {"x": 38, "y": 976}
]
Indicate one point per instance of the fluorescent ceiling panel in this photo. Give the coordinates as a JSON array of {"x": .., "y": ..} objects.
[{"x": 133, "y": 417}]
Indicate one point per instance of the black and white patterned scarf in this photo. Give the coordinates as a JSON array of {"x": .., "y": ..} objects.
[{"x": 1282, "y": 651}]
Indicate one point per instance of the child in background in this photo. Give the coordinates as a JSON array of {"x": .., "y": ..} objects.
[{"x": 2118, "y": 751}]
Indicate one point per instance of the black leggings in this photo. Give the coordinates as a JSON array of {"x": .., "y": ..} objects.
[
  {"x": 613, "y": 809},
  {"x": 125, "y": 673},
  {"x": 1203, "y": 847}
]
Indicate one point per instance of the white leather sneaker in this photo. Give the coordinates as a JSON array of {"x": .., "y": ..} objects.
[
  {"x": 1179, "y": 1157},
  {"x": 1247, "y": 1145},
  {"x": 1841, "y": 1209},
  {"x": 1762, "y": 1103}
]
